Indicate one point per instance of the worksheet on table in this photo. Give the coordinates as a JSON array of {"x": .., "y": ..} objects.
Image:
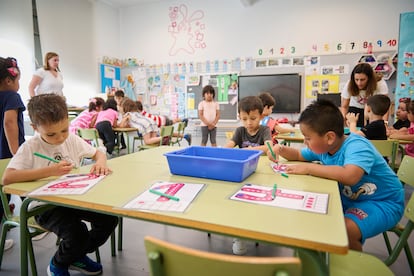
[
  {"x": 178, "y": 196},
  {"x": 284, "y": 198}
]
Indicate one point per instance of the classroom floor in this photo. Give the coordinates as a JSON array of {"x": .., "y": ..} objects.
[{"x": 132, "y": 259}]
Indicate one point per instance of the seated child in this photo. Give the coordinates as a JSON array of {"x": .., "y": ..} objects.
[
  {"x": 268, "y": 104},
  {"x": 161, "y": 120},
  {"x": 86, "y": 117},
  {"x": 371, "y": 193},
  {"x": 375, "y": 109},
  {"x": 49, "y": 116},
  {"x": 401, "y": 116},
  {"x": 104, "y": 122},
  {"x": 407, "y": 133},
  {"x": 251, "y": 135}
]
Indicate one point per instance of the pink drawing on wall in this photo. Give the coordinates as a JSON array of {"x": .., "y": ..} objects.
[{"x": 186, "y": 30}]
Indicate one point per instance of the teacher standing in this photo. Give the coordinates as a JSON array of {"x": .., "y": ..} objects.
[
  {"x": 364, "y": 83},
  {"x": 47, "y": 79}
]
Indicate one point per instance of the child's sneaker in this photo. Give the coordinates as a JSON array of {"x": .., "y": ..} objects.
[
  {"x": 87, "y": 266},
  {"x": 188, "y": 138},
  {"x": 53, "y": 270},
  {"x": 8, "y": 243},
  {"x": 239, "y": 247}
]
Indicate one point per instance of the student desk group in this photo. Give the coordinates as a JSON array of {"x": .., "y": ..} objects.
[{"x": 211, "y": 211}]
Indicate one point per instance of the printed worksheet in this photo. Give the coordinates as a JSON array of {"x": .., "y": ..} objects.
[
  {"x": 279, "y": 168},
  {"x": 284, "y": 198},
  {"x": 166, "y": 196},
  {"x": 69, "y": 184}
]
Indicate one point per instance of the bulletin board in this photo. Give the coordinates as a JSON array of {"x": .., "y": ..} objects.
[
  {"x": 110, "y": 77},
  {"x": 226, "y": 94}
]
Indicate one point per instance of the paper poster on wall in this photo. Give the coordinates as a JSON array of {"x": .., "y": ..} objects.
[
  {"x": 110, "y": 77},
  {"x": 320, "y": 84}
]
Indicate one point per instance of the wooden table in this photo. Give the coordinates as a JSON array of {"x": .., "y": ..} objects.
[{"x": 211, "y": 211}]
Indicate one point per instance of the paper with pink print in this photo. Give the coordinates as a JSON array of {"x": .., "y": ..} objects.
[
  {"x": 185, "y": 192},
  {"x": 69, "y": 184},
  {"x": 284, "y": 198}
]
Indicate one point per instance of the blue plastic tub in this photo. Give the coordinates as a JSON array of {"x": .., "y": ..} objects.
[{"x": 214, "y": 163}]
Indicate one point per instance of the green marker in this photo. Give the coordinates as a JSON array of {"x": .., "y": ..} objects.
[
  {"x": 271, "y": 150},
  {"x": 274, "y": 191},
  {"x": 285, "y": 175},
  {"x": 45, "y": 157},
  {"x": 164, "y": 195}
]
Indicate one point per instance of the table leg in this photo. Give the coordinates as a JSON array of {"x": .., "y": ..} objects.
[
  {"x": 23, "y": 237},
  {"x": 313, "y": 262}
]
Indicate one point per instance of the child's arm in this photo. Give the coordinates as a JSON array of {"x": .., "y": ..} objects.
[
  {"x": 124, "y": 122},
  {"x": 202, "y": 118},
  {"x": 100, "y": 167},
  {"x": 214, "y": 123},
  {"x": 92, "y": 124},
  {"x": 280, "y": 129},
  {"x": 352, "y": 120},
  {"x": 12, "y": 175},
  {"x": 402, "y": 136},
  {"x": 230, "y": 144},
  {"x": 11, "y": 130}
]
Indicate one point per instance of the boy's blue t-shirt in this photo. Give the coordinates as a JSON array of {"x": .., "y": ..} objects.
[{"x": 379, "y": 182}]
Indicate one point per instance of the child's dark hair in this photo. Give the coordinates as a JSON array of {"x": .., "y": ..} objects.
[
  {"x": 209, "y": 89},
  {"x": 139, "y": 106},
  {"x": 46, "y": 109},
  {"x": 129, "y": 105},
  {"x": 96, "y": 102},
  {"x": 267, "y": 99},
  {"x": 119, "y": 93},
  {"x": 250, "y": 103},
  {"x": 322, "y": 116},
  {"x": 8, "y": 68},
  {"x": 379, "y": 104},
  {"x": 110, "y": 103}
]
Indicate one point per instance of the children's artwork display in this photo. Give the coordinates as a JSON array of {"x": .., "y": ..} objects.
[
  {"x": 69, "y": 184},
  {"x": 166, "y": 196},
  {"x": 284, "y": 198}
]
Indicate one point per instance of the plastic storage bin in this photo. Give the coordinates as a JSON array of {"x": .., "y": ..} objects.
[{"x": 214, "y": 163}]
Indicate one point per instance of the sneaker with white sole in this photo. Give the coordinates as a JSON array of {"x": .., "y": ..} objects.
[
  {"x": 53, "y": 270},
  {"x": 188, "y": 138},
  {"x": 8, "y": 244},
  {"x": 239, "y": 247},
  {"x": 87, "y": 266}
]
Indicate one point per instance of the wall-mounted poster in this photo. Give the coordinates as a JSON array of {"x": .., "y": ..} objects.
[{"x": 110, "y": 77}]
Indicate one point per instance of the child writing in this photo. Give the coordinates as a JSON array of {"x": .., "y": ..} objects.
[
  {"x": 209, "y": 114},
  {"x": 86, "y": 117},
  {"x": 105, "y": 121},
  {"x": 377, "y": 106},
  {"x": 146, "y": 127},
  {"x": 372, "y": 195},
  {"x": 401, "y": 116},
  {"x": 407, "y": 133},
  {"x": 251, "y": 135},
  {"x": 268, "y": 104},
  {"x": 49, "y": 116},
  {"x": 11, "y": 119}
]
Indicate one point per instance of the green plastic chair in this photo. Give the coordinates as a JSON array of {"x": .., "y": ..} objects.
[
  {"x": 166, "y": 134},
  {"x": 387, "y": 148},
  {"x": 406, "y": 175},
  {"x": 179, "y": 135},
  {"x": 169, "y": 259},
  {"x": 11, "y": 220},
  {"x": 357, "y": 263}
]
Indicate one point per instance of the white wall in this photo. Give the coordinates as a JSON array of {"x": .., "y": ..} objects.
[{"x": 234, "y": 30}]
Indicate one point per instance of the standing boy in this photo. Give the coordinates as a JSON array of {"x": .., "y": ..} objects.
[
  {"x": 377, "y": 106},
  {"x": 49, "y": 117},
  {"x": 209, "y": 114},
  {"x": 371, "y": 193}
]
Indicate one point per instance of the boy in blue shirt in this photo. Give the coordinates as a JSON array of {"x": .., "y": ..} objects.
[{"x": 371, "y": 193}]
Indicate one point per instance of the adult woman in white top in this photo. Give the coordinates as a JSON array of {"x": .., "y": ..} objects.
[
  {"x": 48, "y": 78},
  {"x": 364, "y": 83}
]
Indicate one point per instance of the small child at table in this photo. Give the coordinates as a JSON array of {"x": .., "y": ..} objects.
[
  {"x": 407, "y": 133},
  {"x": 251, "y": 135},
  {"x": 375, "y": 109},
  {"x": 86, "y": 118},
  {"x": 371, "y": 193},
  {"x": 401, "y": 116},
  {"x": 49, "y": 116}
]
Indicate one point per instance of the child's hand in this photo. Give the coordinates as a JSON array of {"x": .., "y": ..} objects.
[
  {"x": 298, "y": 168},
  {"x": 99, "y": 169},
  {"x": 61, "y": 168},
  {"x": 276, "y": 149},
  {"x": 352, "y": 117}
]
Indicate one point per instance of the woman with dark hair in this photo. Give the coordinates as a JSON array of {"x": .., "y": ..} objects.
[{"x": 364, "y": 83}]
